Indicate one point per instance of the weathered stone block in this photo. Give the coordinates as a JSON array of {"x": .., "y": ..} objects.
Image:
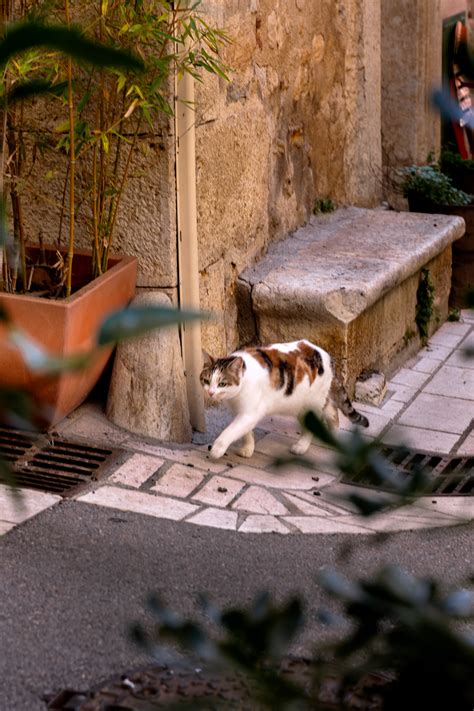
[
  {"x": 348, "y": 282},
  {"x": 147, "y": 392},
  {"x": 371, "y": 389}
]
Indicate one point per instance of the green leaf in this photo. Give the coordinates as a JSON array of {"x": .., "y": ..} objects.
[
  {"x": 138, "y": 320},
  {"x": 25, "y": 35},
  {"x": 39, "y": 361},
  {"x": 317, "y": 427},
  {"x": 368, "y": 505}
]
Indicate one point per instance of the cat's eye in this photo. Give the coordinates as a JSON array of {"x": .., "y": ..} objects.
[
  {"x": 206, "y": 381},
  {"x": 222, "y": 385}
]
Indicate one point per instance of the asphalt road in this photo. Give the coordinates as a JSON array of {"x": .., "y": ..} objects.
[{"x": 75, "y": 577}]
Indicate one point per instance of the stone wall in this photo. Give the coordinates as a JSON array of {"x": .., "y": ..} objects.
[
  {"x": 300, "y": 119},
  {"x": 411, "y": 68}
]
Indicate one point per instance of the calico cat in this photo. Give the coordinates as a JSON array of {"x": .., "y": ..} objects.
[{"x": 281, "y": 379}]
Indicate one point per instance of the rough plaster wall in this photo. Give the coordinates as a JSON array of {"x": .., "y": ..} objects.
[
  {"x": 452, "y": 7},
  {"x": 146, "y": 223},
  {"x": 411, "y": 67},
  {"x": 299, "y": 119}
]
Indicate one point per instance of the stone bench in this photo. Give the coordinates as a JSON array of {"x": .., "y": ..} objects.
[{"x": 348, "y": 281}]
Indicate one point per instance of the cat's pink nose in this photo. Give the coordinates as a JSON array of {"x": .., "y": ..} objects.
[{"x": 211, "y": 392}]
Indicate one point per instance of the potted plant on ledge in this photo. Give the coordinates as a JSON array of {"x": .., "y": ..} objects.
[
  {"x": 91, "y": 119},
  {"x": 432, "y": 191}
]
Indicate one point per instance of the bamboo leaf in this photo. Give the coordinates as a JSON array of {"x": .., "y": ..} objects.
[
  {"x": 136, "y": 321},
  {"x": 131, "y": 108},
  {"x": 25, "y": 35},
  {"x": 39, "y": 361}
]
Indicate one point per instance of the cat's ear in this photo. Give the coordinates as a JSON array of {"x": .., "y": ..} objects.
[
  {"x": 236, "y": 367},
  {"x": 207, "y": 360}
]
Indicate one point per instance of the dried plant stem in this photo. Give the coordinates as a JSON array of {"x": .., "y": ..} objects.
[
  {"x": 72, "y": 166},
  {"x": 96, "y": 257},
  {"x": 111, "y": 226},
  {"x": 18, "y": 231}
]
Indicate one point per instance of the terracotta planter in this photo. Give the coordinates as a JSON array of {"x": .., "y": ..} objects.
[
  {"x": 463, "y": 249},
  {"x": 63, "y": 327}
]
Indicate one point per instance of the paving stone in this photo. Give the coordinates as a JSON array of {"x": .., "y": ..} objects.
[
  {"x": 326, "y": 504},
  {"x": 453, "y": 382},
  {"x": 401, "y": 393},
  {"x": 5, "y": 526},
  {"x": 446, "y": 339},
  {"x": 306, "y": 505},
  {"x": 196, "y": 457},
  {"x": 280, "y": 424},
  {"x": 313, "y": 524},
  {"x": 418, "y": 438},
  {"x": 281, "y": 479},
  {"x": 275, "y": 445},
  {"x": 438, "y": 412},
  {"x": 263, "y": 524},
  {"x": 136, "y": 470},
  {"x": 392, "y": 521},
  {"x": 338, "y": 496},
  {"x": 28, "y": 503},
  {"x": 139, "y": 502},
  {"x": 231, "y": 459},
  {"x": 210, "y": 494},
  {"x": 215, "y": 518},
  {"x": 460, "y": 507},
  {"x": 467, "y": 447},
  {"x": 391, "y": 407},
  {"x": 410, "y": 378},
  {"x": 426, "y": 365},
  {"x": 260, "y": 501},
  {"x": 468, "y": 342},
  {"x": 377, "y": 422},
  {"x": 179, "y": 481},
  {"x": 387, "y": 409},
  {"x": 435, "y": 351},
  {"x": 454, "y": 327},
  {"x": 460, "y": 360},
  {"x": 467, "y": 315},
  {"x": 93, "y": 426}
]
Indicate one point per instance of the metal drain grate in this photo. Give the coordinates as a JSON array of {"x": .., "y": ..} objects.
[
  {"x": 53, "y": 464},
  {"x": 449, "y": 475}
]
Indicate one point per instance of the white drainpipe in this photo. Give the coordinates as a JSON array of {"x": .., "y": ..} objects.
[{"x": 188, "y": 264}]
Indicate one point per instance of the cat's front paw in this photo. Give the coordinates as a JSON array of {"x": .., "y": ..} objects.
[{"x": 218, "y": 450}]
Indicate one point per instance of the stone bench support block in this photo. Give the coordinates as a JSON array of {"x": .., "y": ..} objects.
[
  {"x": 147, "y": 394},
  {"x": 348, "y": 282}
]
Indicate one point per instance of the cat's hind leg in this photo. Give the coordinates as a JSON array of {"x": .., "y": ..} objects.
[
  {"x": 331, "y": 415},
  {"x": 247, "y": 447}
]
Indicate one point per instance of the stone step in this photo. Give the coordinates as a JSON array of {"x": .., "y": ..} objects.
[{"x": 348, "y": 282}]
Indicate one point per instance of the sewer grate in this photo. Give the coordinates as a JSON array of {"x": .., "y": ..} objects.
[
  {"x": 53, "y": 464},
  {"x": 448, "y": 475}
]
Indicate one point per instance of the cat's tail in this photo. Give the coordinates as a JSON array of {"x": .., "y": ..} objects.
[{"x": 342, "y": 401}]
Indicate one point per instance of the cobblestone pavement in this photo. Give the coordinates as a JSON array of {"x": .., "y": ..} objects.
[{"x": 429, "y": 406}]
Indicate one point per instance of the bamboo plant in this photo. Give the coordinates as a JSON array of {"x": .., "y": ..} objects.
[{"x": 106, "y": 113}]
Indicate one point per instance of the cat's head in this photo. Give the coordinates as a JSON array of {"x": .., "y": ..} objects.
[{"x": 221, "y": 378}]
